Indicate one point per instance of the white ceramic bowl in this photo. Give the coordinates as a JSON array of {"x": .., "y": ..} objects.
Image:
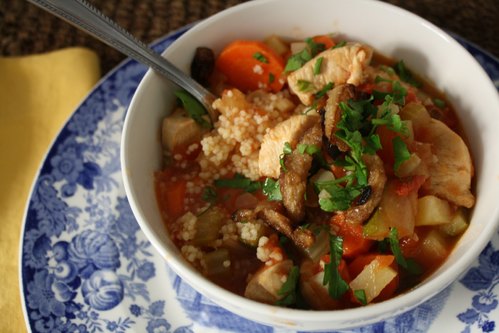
[{"x": 393, "y": 32}]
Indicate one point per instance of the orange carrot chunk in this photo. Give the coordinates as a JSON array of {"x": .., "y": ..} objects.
[
  {"x": 251, "y": 65},
  {"x": 324, "y": 39}
]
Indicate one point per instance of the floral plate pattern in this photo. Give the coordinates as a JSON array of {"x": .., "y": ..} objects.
[{"x": 87, "y": 267}]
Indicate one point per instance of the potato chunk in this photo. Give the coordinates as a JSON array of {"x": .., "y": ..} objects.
[
  {"x": 433, "y": 211},
  {"x": 374, "y": 277}
]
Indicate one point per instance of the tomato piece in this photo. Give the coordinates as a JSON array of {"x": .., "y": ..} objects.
[
  {"x": 404, "y": 187},
  {"x": 171, "y": 193},
  {"x": 354, "y": 242},
  {"x": 386, "y": 137}
]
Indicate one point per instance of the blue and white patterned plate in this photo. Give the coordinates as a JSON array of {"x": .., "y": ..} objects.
[{"x": 87, "y": 267}]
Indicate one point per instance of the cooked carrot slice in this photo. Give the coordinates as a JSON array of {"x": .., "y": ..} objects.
[
  {"x": 324, "y": 39},
  {"x": 251, "y": 65}
]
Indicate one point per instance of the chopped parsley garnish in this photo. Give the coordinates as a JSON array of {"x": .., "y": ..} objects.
[
  {"x": 388, "y": 118},
  {"x": 272, "y": 189},
  {"x": 349, "y": 131},
  {"x": 288, "y": 289},
  {"x": 297, "y": 60},
  {"x": 438, "y": 102},
  {"x": 400, "y": 152},
  {"x": 315, "y": 48},
  {"x": 304, "y": 85},
  {"x": 317, "y": 65},
  {"x": 357, "y": 129},
  {"x": 405, "y": 74},
  {"x": 271, "y": 78},
  {"x": 332, "y": 278},
  {"x": 398, "y": 93},
  {"x": 409, "y": 265},
  {"x": 340, "y": 44},
  {"x": 387, "y": 69},
  {"x": 239, "y": 181},
  {"x": 323, "y": 91},
  {"x": 340, "y": 197},
  {"x": 260, "y": 57},
  {"x": 286, "y": 150},
  {"x": 360, "y": 295},
  {"x": 308, "y": 149},
  {"x": 315, "y": 152},
  {"x": 194, "y": 109},
  {"x": 209, "y": 194},
  {"x": 379, "y": 79}
]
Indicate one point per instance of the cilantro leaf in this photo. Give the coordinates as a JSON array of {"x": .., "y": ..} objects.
[
  {"x": 271, "y": 78},
  {"x": 308, "y": 149},
  {"x": 317, "y": 65},
  {"x": 304, "y": 85},
  {"x": 398, "y": 92},
  {"x": 340, "y": 197},
  {"x": 288, "y": 289},
  {"x": 335, "y": 283},
  {"x": 285, "y": 151},
  {"x": 272, "y": 189},
  {"x": 340, "y": 44},
  {"x": 393, "y": 240},
  {"x": 373, "y": 144},
  {"x": 409, "y": 265},
  {"x": 405, "y": 74},
  {"x": 439, "y": 102},
  {"x": 388, "y": 118},
  {"x": 239, "y": 181},
  {"x": 297, "y": 60},
  {"x": 287, "y": 148},
  {"x": 360, "y": 295},
  {"x": 315, "y": 48},
  {"x": 260, "y": 57},
  {"x": 400, "y": 152},
  {"x": 321, "y": 93},
  {"x": 194, "y": 109},
  {"x": 209, "y": 194}
]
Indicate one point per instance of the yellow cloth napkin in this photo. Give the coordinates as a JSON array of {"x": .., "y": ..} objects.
[{"x": 37, "y": 95}]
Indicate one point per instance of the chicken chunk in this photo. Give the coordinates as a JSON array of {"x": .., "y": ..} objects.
[
  {"x": 452, "y": 169},
  {"x": 290, "y": 130},
  {"x": 180, "y": 130},
  {"x": 340, "y": 65}
]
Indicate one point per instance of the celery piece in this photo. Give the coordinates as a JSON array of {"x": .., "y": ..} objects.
[
  {"x": 217, "y": 262},
  {"x": 208, "y": 227}
]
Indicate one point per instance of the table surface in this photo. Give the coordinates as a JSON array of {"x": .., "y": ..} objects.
[{"x": 26, "y": 29}]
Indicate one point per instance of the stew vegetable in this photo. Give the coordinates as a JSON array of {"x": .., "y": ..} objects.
[{"x": 333, "y": 178}]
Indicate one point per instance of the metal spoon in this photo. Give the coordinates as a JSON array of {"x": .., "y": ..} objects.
[{"x": 89, "y": 19}]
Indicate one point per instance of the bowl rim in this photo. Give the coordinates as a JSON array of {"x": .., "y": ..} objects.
[{"x": 396, "y": 305}]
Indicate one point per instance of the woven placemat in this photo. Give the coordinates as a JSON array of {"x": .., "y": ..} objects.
[{"x": 26, "y": 29}]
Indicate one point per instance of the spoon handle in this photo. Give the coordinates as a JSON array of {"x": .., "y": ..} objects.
[{"x": 89, "y": 19}]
